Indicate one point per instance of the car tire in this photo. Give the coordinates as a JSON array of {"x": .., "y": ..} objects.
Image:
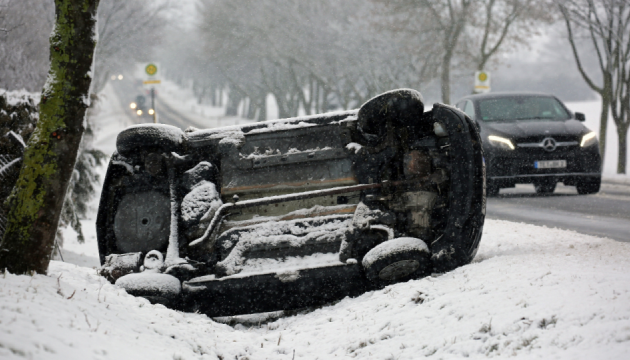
[
  {"x": 159, "y": 137},
  {"x": 545, "y": 188},
  {"x": 156, "y": 287},
  {"x": 400, "y": 107},
  {"x": 590, "y": 186},
  {"x": 396, "y": 260}
]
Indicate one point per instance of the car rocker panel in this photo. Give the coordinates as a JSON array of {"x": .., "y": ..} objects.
[{"x": 292, "y": 213}]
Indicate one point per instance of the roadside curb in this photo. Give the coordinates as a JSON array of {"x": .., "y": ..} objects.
[{"x": 616, "y": 180}]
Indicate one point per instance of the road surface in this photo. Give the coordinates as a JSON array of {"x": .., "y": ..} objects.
[{"x": 605, "y": 214}]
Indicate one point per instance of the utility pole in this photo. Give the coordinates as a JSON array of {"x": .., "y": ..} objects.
[{"x": 153, "y": 105}]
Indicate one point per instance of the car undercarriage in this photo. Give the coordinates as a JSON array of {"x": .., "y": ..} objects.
[{"x": 292, "y": 213}]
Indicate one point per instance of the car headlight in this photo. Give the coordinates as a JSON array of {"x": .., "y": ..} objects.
[
  {"x": 589, "y": 139},
  {"x": 501, "y": 142}
]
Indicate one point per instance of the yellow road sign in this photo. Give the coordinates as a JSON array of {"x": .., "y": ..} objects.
[
  {"x": 151, "y": 69},
  {"x": 150, "y": 82},
  {"x": 482, "y": 82}
]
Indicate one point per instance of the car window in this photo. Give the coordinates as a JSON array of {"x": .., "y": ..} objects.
[
  {"x": 522, "y": 108},
  {"x": 469, "y": 109},
  {"x": 460, "y": 105}
]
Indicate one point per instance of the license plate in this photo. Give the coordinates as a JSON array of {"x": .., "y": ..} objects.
[{"x": 550, "y": 164}]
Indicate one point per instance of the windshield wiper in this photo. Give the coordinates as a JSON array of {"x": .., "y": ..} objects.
[{"x": 535, "y": 118}]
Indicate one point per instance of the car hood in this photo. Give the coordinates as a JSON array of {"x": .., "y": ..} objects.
[{"x": 532, "y": 128}]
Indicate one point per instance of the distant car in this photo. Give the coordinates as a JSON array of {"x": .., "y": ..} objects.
[
  {"x": 533, "y": 138},
  {"x": 291, "y": 213},
  {"x": 140, "y": 107}
]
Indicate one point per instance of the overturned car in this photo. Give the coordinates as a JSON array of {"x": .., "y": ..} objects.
[{"x": 292, "y": 213}]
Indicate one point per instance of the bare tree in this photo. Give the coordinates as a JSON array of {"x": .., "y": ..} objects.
[
  {"x": 37, "y": 199},
  {"x": 24, "y": 29},
  {"x": 310, "y": 56},
  {"x": 128, "y": 31},
  {"x": 498, "y": 25},
  {"x": 607, "y": 25},
  {"x": 443, "y": 20}
]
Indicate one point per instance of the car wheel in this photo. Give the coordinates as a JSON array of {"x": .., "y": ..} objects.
[
  {"x": 156, "y": 287},
  {"x": 396, "y": 260},
  {"x": 590, "y": 186},
  {"x": 545, "y": 187},
  {"x": 400, "y": 107},
  {"x": 161, "y": 137},
  {"x": 142, "y": 222}
]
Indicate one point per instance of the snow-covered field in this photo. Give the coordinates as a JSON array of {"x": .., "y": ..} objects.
[{"x": 531, "y": 292}]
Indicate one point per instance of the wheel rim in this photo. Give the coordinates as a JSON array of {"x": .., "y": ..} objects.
[
  {"x": 398, "y": 270},
  {"x": 142, "y": 222}
]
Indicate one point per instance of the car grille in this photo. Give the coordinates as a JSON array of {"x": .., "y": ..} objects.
[
  {"x": 521, "y": 161},
  {"x": 539, "y": 138}
]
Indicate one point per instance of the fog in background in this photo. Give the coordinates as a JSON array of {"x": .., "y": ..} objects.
[{"x": 180, "y": 36}]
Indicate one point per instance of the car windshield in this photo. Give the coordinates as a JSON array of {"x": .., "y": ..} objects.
[{"x": 522, "y": 108}]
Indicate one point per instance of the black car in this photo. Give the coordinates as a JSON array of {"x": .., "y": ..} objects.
[
  {"x": 295, "y": 212},
  {"x": 533, "y": 138}
]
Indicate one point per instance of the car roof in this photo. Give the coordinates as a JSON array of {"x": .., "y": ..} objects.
[{"x": 496, "y": 95}]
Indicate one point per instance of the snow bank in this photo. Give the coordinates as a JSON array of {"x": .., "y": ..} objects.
[
  {"x": 18, "y": 97},
  {"x": 532, "y": 292}
]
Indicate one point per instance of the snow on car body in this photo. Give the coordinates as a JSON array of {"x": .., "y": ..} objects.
[{"x": 295, "y": 212}]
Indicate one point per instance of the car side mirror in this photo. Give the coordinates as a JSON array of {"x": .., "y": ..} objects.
[{"x": 580, "y": 116}]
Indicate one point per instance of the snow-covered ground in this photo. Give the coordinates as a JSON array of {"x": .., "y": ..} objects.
[{"x": 531, "y": 292}]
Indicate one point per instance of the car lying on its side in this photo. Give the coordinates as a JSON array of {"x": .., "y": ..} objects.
[
  {"x": 292, "y": 213},
  {"x": 533, "y": 138}
]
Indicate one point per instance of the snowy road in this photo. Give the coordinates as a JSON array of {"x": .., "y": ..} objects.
[
  {"x": 604, "y": 214},
  {"x": 172, "y": 117}
]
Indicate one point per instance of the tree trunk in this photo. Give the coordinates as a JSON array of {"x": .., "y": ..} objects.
[
  {"x": 325, "y": 93},
  {"x": 446, "y": 78},
  {"x": 233, "y": 101},
  {"x": 37, "y": 198},
  {"x": 622, "y": 132},
  {"x": 262, "y": 113},
  {"x": 251, "y": 110},
  {"x": 213, "y": 98},
  {"x": 603, "y": 125}
]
